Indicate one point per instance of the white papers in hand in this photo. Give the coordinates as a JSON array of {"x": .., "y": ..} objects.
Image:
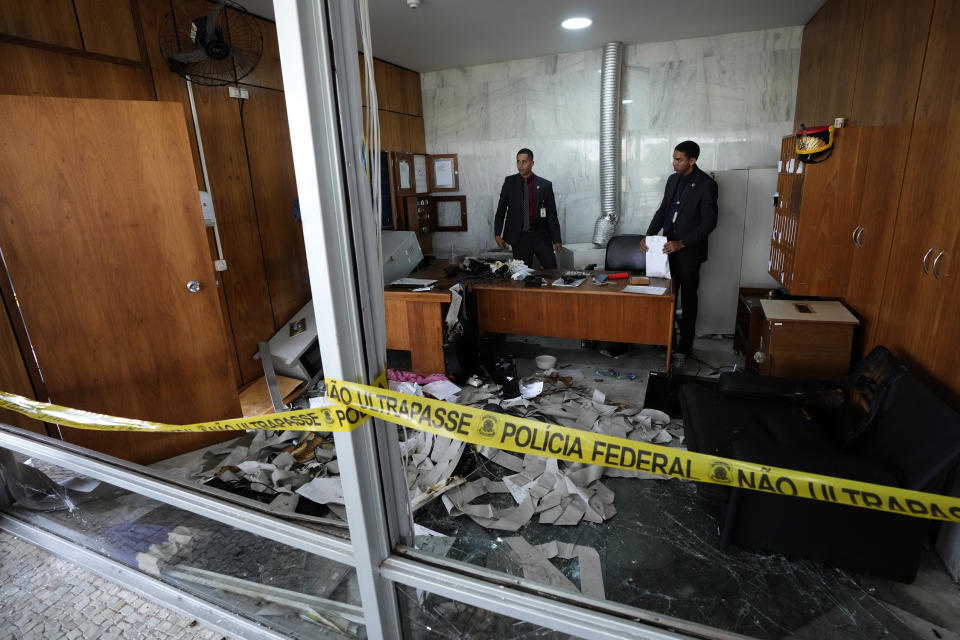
[
  {"x": 657, "y": 264},
  {"x": 650, "y": 291}
]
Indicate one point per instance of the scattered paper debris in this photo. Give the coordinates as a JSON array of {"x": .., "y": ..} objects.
[
  {"x": 442, "y": 390},
  {"x": 323, "y": 490}
]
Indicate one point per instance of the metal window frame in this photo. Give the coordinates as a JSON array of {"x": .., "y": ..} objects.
[
  {"x": 321, "y": 83},
  {"x": 323, "y": 108},
  {"x": 528, "y": 607}
]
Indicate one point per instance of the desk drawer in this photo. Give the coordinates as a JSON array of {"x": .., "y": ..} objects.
[{"x": 569, "y": 314}]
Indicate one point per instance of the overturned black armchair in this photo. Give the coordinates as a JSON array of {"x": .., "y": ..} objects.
[{"x": 882, "y": 426}]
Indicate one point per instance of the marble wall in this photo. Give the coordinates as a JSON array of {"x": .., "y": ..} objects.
[{"x": 734, "y": 94}]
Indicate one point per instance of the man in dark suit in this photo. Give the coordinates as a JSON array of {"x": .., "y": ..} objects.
[
  {"x": 687, "y": 215},
  {"x": 526, "y": 216}
]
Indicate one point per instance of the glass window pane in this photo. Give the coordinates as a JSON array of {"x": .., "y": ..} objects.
[
  {"x": 289, "y": 473},
  {"x": 292, "y": 591},
  {"x": 631, "y": 538},
  {"x": 660, "y": 554}
]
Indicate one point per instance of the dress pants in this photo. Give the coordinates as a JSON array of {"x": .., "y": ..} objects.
[
  {"x": 686, "y": 278},
  {"x": 536, "y": 242}
]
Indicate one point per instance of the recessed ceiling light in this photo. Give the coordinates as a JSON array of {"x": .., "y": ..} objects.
[{"x": 576, "y": 23}]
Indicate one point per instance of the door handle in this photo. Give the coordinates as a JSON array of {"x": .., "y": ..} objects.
[
  {"x": 926, "y": 257},
  {"x": 193, "y": 286},
  {"x": 853, "y": 236},
  {"x": 859, "y": 240},
  {"x": 936, "y": 263}
]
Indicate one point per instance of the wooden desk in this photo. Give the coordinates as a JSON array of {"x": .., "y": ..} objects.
[
  {"x": 587, "y": 312},
  {"x": 415, "y": 320}
]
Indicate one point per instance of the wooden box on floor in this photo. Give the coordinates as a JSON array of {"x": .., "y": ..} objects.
[{"x": 805, "y": 339}]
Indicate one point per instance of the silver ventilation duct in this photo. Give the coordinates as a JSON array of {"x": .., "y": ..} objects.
[{"x": 606, "y": 224}]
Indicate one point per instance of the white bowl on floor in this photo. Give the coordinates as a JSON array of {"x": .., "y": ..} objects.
[{"x": 545, "y": 362}]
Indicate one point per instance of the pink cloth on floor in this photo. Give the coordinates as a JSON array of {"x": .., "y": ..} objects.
[{"x": 409, "y": 376}]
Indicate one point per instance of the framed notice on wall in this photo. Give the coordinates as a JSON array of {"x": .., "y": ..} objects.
[
  {"x": 443, "y": 172},
  {"x": 403, "y": 178},
  {"x": 420, "y": 173}
]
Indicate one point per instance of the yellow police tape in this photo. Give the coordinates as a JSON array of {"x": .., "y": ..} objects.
[
  {"x": 359, "y": 402},
  {"x": 332, "y": 418},
  {"x": 484, "y": 428}
]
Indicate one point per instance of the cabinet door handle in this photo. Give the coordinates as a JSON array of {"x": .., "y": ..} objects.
[
  {"x": 936, "y": 262},
  {"x": 853, "y": 236},
  {"x": 859, "y": 240},
  {"x": 926, "y": 257}
]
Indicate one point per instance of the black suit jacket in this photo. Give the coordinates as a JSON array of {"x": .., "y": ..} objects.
[
  {"x": 508, "y": 222},
  {"x": 697, "y": 217}
]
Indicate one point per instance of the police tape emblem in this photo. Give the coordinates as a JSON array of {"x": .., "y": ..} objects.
[
  {"x": 488, "y": 426},
  {"x": 328, "y": 416},
  {"x": 720, "y": 472}
]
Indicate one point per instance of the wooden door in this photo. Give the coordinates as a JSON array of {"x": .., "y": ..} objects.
[
  {"x": 919, "y": 319},
  {"x": 101, "y": 231}
]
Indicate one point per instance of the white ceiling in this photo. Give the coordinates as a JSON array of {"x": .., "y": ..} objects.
[{"x": 441, "y": 34}]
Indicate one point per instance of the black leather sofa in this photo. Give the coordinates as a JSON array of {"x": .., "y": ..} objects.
[{"x": 881, "y": 426}]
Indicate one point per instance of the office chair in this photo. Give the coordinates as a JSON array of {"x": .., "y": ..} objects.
[
  {"x": 882, "y": 426},
  {"x": 623, "y": 254}
]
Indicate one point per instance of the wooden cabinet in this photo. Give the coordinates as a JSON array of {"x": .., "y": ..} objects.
[
  {"x": 828, "y": 62},
  {"x": 918, "y": 319},
  {"x": 810, "y": 249},
  {"x": 412, "y": 177},
  {"x": 805, "y": 339},
  {"x": 746, "y": 337},
  {"x": 418, "y": 213},
  {"x": 894, "y": 41},
  {"x": 888, "y": 67}
]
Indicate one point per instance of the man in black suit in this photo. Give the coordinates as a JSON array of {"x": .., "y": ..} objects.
[
  {"x": 527, "y": 215},
  {"x": 687, "y": 215}
]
